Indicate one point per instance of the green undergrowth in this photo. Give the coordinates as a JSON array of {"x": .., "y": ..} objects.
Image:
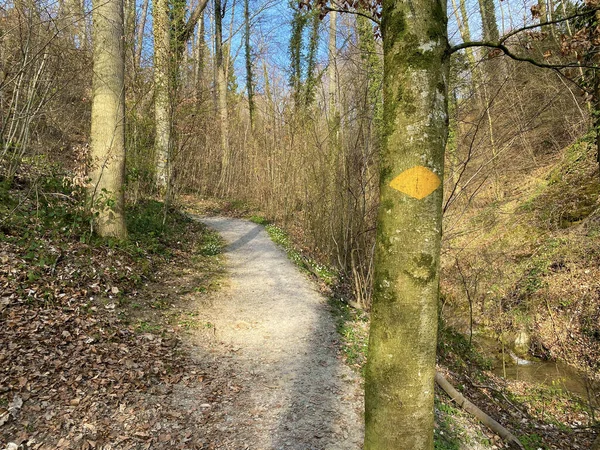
[
  {"x": 307, "y": 264},
  {"x": 454, "y": 429},
  {"x": 45, "y": 230},
  {"x": 353, "y": 326},
  {"x": 456, "y": 352}
]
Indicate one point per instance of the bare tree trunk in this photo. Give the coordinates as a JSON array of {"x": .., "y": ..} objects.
[
  {"x": 221, "y": 87},
  {"x": 332, "y": 68},
  {"x": 108, "y": 120},
  {"x": 199, "y": 60},
  {"x": 399, "y": 383},
  {"x": 487, "y": 8},
  {"x": 129, "y": 31},
  {"x": 162, "y": 96},
  {"x": 249, "y": 74},
  {"x": 462, "y": 19},
  {"x": 140, "y": 34}
]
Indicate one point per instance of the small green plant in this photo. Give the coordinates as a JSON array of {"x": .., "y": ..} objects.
[
  {"x": 444, "y": 435},
  {"x": 212, "y": 244},
  {"x": 281, "y": 238},
  {"x": 147, "y": 327},
  {"x": 260, "y": 220},
  {"x": 532, "y": 442},
  {"x": 353, "y": 326},
  {"x": 189, "y": 321}
]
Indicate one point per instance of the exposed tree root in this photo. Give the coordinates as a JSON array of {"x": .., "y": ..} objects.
[{"x": 465, "y": 404}]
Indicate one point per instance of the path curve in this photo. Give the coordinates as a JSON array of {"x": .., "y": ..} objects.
[{"x": 295, "y": 391}]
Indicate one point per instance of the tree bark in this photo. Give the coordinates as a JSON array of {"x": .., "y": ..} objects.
[
  {"x": 249, "y": 74},
  {"x": 487, "y": 8},
  {"x": 199, "y": 62},
  {"x": 140, "y": 34},
  {"x": 162, "y": 96},
  {"x": 462, "y": 19},
  {"x": 399, "y": 384},
  {"x": 107, "y": 138},
  {"x": 222, "y": 100},
  {"x": 331, "y": 69}
]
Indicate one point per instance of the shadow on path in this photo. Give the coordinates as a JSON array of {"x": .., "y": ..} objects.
[{"x": 296, "y": 391}]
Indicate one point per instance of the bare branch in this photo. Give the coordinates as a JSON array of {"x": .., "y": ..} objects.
[
  {"x": 552, "y": 22},
  {"x": 327, "y": 10},
  {"x": 192, "y": 21}
]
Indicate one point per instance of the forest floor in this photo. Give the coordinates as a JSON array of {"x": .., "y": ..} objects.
[
  {"x": 179, "y": 339},
  {"x": 188, "y": 344}
]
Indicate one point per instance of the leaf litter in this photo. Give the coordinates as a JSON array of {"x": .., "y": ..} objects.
[{"x": 75, "y": 371}]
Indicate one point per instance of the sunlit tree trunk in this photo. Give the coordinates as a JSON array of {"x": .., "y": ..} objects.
[
  {"x": 108, "y": 120},
  {"x": 222, "y": 99},
  {"x": 199, "y": 62},
  {"x": 248, "y": 54},
  {"x": 162, "y": 103},
  {"x": 331, "y": 69},
  {"x": 399, "y": 384},
  {"x": 487, "y": 8},
  {"x": 140, "y": 34},
  {"x": 462, "y": 19}
]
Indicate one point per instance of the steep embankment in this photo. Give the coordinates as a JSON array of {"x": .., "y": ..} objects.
[{"x": 527, "y": 265}]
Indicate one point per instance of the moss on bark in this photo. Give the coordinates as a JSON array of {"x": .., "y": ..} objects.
[{"x": 400, "y": 371}]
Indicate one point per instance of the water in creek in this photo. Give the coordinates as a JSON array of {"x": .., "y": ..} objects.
[{"x": 549, "y": 373}]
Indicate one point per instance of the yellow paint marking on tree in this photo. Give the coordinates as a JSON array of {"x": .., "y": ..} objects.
[{"x": 418, "y": 182}]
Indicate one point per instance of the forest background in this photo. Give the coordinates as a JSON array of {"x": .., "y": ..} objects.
[{"x": 279, "y": 106}]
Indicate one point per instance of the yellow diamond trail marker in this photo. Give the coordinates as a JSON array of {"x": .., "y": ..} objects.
[{"x": 418, "y": 182}]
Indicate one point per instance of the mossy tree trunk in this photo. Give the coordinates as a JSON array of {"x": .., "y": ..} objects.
[
  {"x": 490, "y": 32},
  {"x": 332, "y": 68},
  {"x": 162, "y": 96},
  {"x": 107, "y": 174},
  {"x": 171, "y": 32},
  {"x": 399, "y": 386}
]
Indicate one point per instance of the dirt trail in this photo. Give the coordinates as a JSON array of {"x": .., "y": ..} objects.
[{"x": 275, "y": 339}]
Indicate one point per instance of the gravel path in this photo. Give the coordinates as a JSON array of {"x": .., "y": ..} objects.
[{"x": 275, "y": 340}]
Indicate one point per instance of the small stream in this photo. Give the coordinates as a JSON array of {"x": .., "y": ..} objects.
[
  {"x": 535, "y": 371},
  {"x": 547, "y": 372}
]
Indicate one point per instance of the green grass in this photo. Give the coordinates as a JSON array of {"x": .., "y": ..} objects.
[
  {"x": 353, "y": 326},
  {"x": 260, "y": 220},
  {"x": 305, "y": 263},
  {"x": 212, "y": 244},
  {"x": 147, "y": 327},
  {"x": 445, "y": 433}
]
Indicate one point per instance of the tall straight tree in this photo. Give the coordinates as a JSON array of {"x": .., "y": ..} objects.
[
  {"x": 399, "y": 385},
  {"x": 221, "y": 88},
  {"x": 162, "y": 97},
  {"x": 171, "y": 33},
  {"x": 248, "y": 55},
  {"x": 490, "y": 32},
  {"x": 107, "y": 172}
]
